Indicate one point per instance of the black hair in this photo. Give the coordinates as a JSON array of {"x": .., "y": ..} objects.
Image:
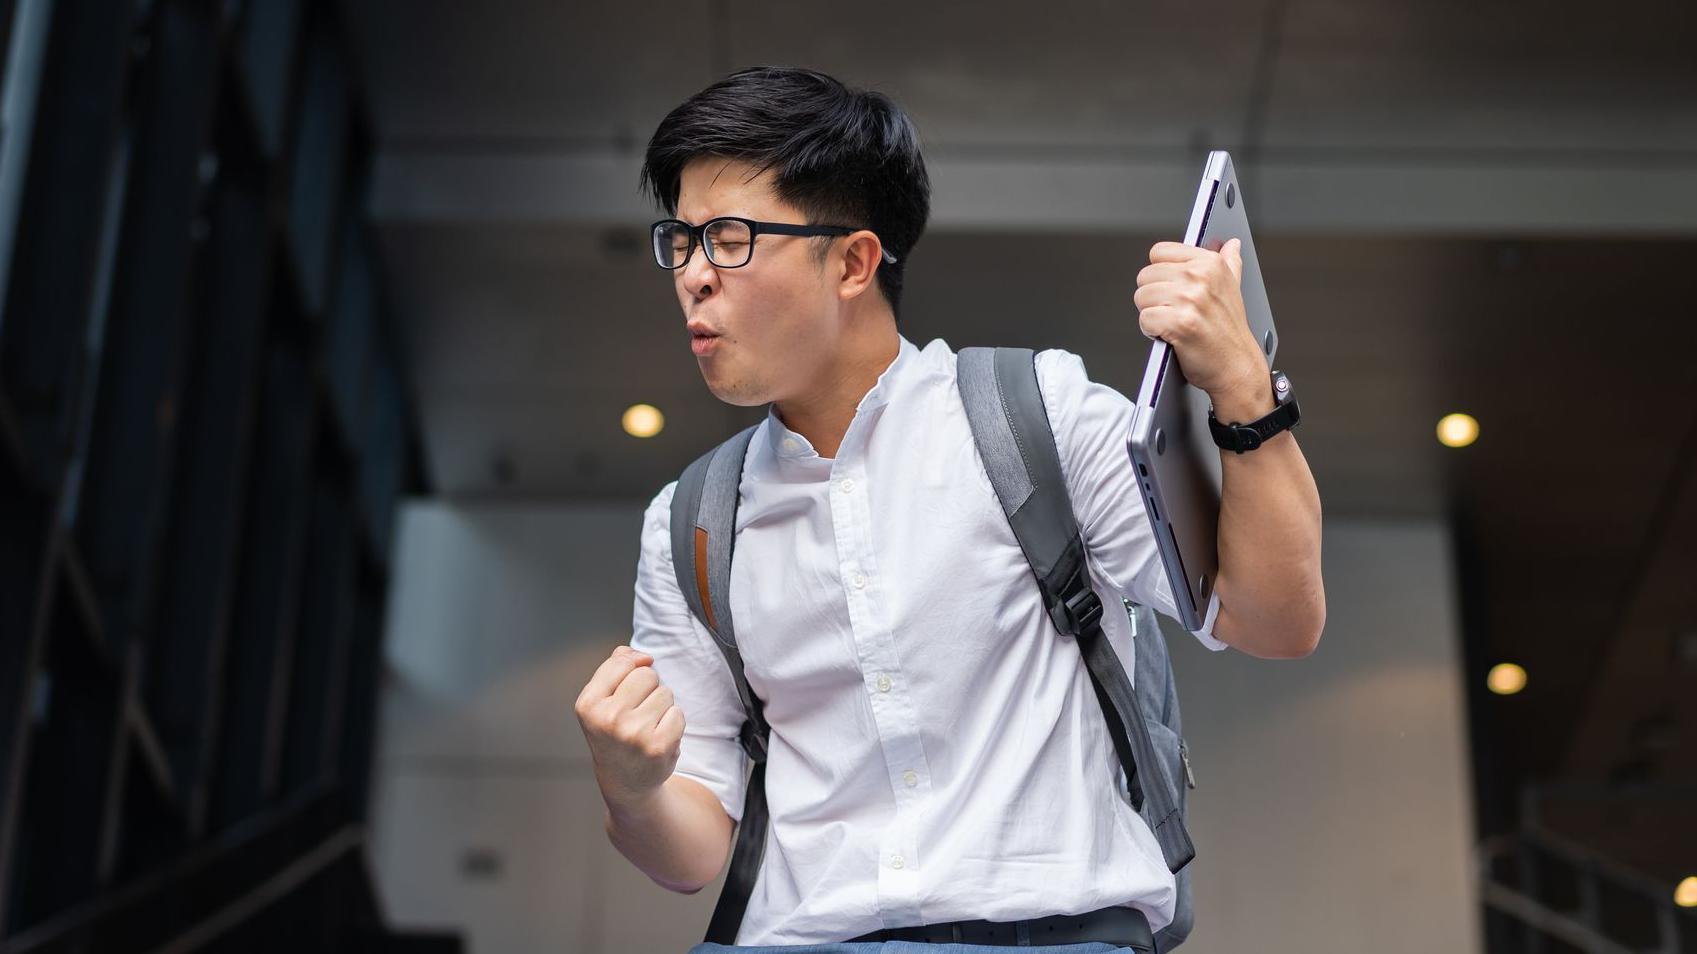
[{"x": 843, "y": 156}]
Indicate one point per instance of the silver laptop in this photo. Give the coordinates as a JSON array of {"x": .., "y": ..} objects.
[{"x": 1178, "y": 464}]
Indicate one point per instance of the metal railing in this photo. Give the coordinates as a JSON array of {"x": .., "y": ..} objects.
[{"x": 1526, "y": 876}]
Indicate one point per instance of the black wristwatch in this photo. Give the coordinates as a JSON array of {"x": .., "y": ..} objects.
[{"x": 1245, "y": 437}]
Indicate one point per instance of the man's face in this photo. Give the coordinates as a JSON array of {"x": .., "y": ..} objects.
[{"x": 776, "y": 317}]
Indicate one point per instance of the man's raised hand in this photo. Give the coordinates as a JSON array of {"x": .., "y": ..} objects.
[{"x": 632, "y": 725}]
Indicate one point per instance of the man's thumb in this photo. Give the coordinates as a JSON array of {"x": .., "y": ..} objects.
[{"x": 1233, "y": 252}]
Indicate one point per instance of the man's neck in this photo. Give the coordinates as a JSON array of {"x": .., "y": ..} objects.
[{"x": 823, "y": 416}]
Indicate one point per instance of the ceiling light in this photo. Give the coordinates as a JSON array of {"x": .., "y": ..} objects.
[
  {"x": 643, "y": 420},
  {"x": 1506, "y": 679},
  {"x": 1686, "y": 894},
  {"x": 1458, "y": 430}
]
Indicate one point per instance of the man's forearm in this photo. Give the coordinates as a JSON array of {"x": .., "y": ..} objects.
[
  {"x": 680, "y": 836},
  {"x": 1272, "y": 596}
]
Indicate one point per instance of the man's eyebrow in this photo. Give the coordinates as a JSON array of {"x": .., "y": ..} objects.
[{"x": 738, "y": 213}]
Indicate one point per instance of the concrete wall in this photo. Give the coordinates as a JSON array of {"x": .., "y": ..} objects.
[
  {"x": 1332, "y": 812},
  {"x": 1333, "y": 807}
]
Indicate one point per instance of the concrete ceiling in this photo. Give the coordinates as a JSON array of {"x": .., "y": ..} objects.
[{"x": 1477, "y": 206}]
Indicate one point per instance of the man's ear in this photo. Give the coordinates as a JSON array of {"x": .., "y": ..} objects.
[{"x": 860, "y": 255}]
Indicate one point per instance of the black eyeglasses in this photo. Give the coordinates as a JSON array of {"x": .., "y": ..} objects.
[{"x": 728, "y": 240}]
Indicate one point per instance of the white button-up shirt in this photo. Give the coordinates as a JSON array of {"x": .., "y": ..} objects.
[{"x": 937, "y": 752}]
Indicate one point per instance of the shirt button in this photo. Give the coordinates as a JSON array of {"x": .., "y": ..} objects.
[
  {"x": 896, "y": 861},
  {"x": 911, "y": 778},
  {"x": 790, "y": 444},
  {"x": 847, "y": 485},
  {"x": 883, "y": 683},
  {"x": 860, "y": 581}
]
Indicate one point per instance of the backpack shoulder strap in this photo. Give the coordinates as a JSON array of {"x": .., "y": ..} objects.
[
  {"x": 704, "y": 515},
  {"x": 1004, "y": 407}
]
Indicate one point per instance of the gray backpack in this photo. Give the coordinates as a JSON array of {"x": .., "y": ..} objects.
[{"x": 999, "y": 389}]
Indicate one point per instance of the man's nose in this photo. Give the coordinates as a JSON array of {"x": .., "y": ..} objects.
[{"x": 699, "y": 274}]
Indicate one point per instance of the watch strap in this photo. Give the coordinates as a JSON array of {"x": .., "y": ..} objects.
[{"x": 1247, "y": 437}]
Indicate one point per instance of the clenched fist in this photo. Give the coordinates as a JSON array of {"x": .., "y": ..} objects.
[{"x": 632, "y": 726}]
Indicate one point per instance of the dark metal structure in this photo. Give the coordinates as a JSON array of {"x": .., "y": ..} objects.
[{"x": 205, "y": 425}]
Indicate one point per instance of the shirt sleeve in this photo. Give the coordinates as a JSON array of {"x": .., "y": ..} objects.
[
  {"x": 1092, "y": 423},
  {"x": 687, "y": 661}
]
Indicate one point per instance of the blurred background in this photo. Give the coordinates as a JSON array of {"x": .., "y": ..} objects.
[{"x": 318, "y": 504}]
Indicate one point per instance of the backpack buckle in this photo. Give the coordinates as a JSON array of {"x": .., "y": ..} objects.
[
  {"x": 1074, "y": 614},
  {"x": 753, "y": 740}
]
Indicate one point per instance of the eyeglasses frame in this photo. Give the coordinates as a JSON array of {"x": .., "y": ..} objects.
[{"x": 698, "y": 234}]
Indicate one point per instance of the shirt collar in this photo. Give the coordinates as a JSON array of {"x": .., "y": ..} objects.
[{"x": 789, "y": 444}]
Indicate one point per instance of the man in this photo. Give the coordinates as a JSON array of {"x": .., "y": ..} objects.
[{"x": 936, "y": 751}]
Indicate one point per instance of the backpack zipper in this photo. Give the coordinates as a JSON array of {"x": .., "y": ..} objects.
[{"x": 1183, "y": 747}]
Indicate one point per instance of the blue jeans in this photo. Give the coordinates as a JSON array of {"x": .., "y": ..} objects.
[{"x": 912, "y": 948}]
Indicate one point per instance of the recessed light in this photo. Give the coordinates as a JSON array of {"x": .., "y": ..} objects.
[
  {"x": 1506, "y": 679},
  {"x": 1686, "y": 894},
  {"x": 1458, "y": 430},
  {"x": 643, "y": 420}
]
